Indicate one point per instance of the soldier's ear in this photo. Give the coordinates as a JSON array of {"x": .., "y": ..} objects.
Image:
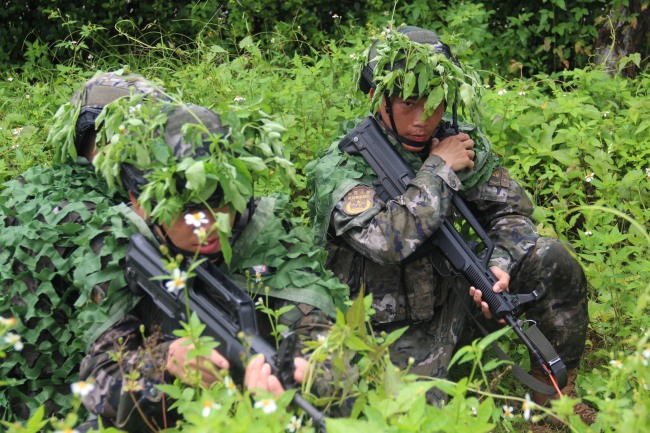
[{"x": 371, "y": 93}]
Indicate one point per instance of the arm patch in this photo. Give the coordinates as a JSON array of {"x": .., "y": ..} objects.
[{"x": 359, "y": 199}]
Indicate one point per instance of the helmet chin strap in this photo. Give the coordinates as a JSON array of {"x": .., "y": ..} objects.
[{"x": 426, "y": 145}]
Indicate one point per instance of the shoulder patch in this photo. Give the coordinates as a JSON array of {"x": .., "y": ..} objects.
[
  {"x": 357, "y": 200},
  {"x": 500, "y": 178}
]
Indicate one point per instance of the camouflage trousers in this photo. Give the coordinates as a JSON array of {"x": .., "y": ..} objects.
[{"x": 560, "y": 312}]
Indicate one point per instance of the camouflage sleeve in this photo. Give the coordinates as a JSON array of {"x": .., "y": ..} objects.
[
  {"x": 505, "y": 210},
  {"x": 388, "y": 232},
  {"x": 125, "y": 367}
]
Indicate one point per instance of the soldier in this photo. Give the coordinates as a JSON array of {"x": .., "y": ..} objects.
[
  {"x": 412, "y": 80},
  {"x": 54, "y": 266},
  {"x": 195, "y": 215}
]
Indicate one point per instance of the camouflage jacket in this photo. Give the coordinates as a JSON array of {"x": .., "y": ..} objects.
[
  {"x": 369, "y": 239},
  {"x": 60, "y": 246},
  {"x": 266, "y": 254}
]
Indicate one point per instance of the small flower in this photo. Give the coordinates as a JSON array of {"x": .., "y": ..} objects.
[
  {"x": 322, "y": 340},
  {"x": 522, "y": 92},
  {"x": 616, "y": 363},
  {"x": 200, "y": 233},
  {"x": 272, "y": 40},
  {"x": 196, "y": 219},
  {"x": 502, "y": 92},
  {"x": 230, "y": 385},
  {"x": 209, "y": 406},
  {"x": 647, "y": 173},
  {"x": 82, "y": 388},
  {"x": 411, "y": 360},
  {"x": 67, "y": 430},
  {"x": 335, "y": 16},
  {"x": 386, "y": 13},
  {"x": 7, "y": 321},
  {"x": 605, "y": 113},
  {"x": 17, "y": 131},
  {"x": 588, "y": 233},
  {"x": 589, "y": 177},
  {"x": 135, "y": 109},
  {"x": 15, "y": 146},
  {"x": 122, "y": 129},
  {"x": 353, "y": 56},
  {"x": 267, "y": 405},
  {"x": 487, "y": 86},
  {"x": 90, "y": 56},
  {"x": 645, "y": 353},
  {"x": 527, "y": 406},
  {"x": 177, "y": 282},
  {"x": 10, "y": 79},
  {"x": 474, "y": 411},
  {"x": 259, "y": 301},
  {"x": 14, "y": 340},
  {"x": 508, "y": 411},
  {"x": 27, "y": 96},
  {"x": 239, "y": 98},
  {"x": 294, "y": 424}
]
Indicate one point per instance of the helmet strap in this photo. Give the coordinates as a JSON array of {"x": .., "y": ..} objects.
[{"x": 395, "y": 133}]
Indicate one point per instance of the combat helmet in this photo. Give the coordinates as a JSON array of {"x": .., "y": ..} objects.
[
  {"x": 75, "y": 120},
  {"x": 414, "y": 34},
  {"x": 412, "y": 62}
]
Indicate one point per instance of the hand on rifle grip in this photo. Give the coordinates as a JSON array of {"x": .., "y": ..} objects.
[{"x": 500, "y": 286}]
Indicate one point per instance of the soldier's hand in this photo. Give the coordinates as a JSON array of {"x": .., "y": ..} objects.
[
  {"x": 180, "y": 366},
  {"x": 259, "y": 377},
  {"x": 457, "y": 151},
  {"x": 503, "y": 281}
]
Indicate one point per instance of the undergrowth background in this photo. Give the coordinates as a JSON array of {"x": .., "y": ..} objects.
[{"x": 572, "y": 128}]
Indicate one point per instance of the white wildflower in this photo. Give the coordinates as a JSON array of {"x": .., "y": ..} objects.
[
  {"x": 209, "y": 406},
  {"x": 527, "y": 406},
  {"x": 14, "y": 340},
  {"x": 230, "y": 385},
  {"x": 177, "y": 282},
  {"x": 294, "y": 424},
  {"x": 502, "y": 92},
  {"x": 196, "y": 219},
  {"x": 82, "y": 388},
  {"x": 616, "y": 363},
  {"x": 239, "y": 98},
  {"x": 267, "y": 405},
  {"x": 508, "y": 411},
  {"x": 589, "y": 177}
]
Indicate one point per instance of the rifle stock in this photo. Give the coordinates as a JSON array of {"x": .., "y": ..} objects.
[{"x": 227, "y": 311}]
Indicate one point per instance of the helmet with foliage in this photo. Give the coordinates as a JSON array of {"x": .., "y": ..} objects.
[
  {"x": 74, "y": 122},
  {"x": 175, "y": 156},
  {"x": 412, "y": 62}
]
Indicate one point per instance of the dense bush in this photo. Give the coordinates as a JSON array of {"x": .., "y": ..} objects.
[{"x": 576, "y": 139}]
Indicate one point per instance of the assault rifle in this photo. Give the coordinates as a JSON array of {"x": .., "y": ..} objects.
[
  {"x": 227, "y": 311},
  {"x": 394, "y": 175}
]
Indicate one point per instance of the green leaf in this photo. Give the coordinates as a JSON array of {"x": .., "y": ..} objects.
[
  {"x": 356, "y": 315},
  {"x": 195, "y": 176}
]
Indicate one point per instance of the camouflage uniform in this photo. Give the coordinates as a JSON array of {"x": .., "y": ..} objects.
[
  {"x": 61, "y": 242},
  {"x": 266, "y": 250},
  {"x": 369, "y": 243}
]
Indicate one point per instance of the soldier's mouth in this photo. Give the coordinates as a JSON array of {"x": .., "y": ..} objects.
[{"x": 210, "y": 246}]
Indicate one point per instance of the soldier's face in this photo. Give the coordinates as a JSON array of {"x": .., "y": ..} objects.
[
  {"x": 192, "y": 232},
  {"x": 410, "y": 124}
]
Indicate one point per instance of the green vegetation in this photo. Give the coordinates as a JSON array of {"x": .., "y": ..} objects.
[{"x": 574, "y": 133}]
